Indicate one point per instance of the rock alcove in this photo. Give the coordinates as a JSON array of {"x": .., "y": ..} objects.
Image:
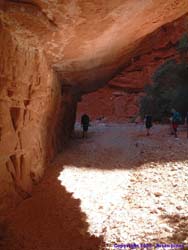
[{"x": 53, "y": 52}]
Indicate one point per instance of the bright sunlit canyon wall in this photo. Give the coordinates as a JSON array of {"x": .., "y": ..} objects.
[{"x": 54, "y": 52}]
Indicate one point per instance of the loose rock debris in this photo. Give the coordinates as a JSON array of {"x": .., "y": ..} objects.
[{"x": 115, "y": 188}]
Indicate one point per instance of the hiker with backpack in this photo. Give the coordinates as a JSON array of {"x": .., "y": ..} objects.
[
  {"x": 148, "y": 123},
  {"x": 176, "y": 120},
  {"x": 171, "y": 125},
  {"x": 187, "y": 123},
  {"x": 85, "y": 124}
]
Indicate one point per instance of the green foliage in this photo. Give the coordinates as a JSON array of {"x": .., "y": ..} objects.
[
  {"x": 165, "y": 73},
  {"x": 169, "y": 90},
  {"x": 183, "y": 43}
]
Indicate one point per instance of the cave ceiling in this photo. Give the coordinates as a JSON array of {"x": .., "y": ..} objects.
[{"x": 87, "y": 41}]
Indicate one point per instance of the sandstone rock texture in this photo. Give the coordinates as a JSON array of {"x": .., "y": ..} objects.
[
  {"x": 154, "y": 50},
  {"x": 120, "y": 100},
  {"x": 51, "y": 52},
  {"x": 110, "y": 105},
  {"x": 87, "y": 41},
  {"x": 35, "y": 117}
]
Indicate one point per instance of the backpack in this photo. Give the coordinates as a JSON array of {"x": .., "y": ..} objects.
[
  {"x": 85, "y": 119},
  {"x": 187, "y": 118},
  {"x": 177, "y": 118}
]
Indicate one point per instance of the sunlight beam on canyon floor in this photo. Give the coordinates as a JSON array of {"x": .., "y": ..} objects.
[{"x": 127, "y": 206}]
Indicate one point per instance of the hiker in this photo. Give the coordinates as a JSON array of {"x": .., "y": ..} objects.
[
  {"x": 148, "y": 123},
  {"x": 171, "y": 124},
  {"x": 176, "y": 120},
  {"x": 85, "y": 124},
  {"x": 187, "y": 123}
]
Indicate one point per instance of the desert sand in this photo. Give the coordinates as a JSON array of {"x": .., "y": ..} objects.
[{"x": 118, "y": 186}]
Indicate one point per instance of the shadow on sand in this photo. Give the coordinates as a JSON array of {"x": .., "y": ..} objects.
[
  {"x": 50, "y": 220},
  {"x": 179, "y": 226}
]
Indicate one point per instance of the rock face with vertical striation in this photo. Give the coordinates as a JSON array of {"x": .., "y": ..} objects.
[
  {"x": 52, "y": 52},
  {"x": 34, "y": 122}
]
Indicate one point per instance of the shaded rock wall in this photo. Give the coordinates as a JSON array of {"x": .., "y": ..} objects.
[
  {"x": 30, "y": 104},
  {"x": 153, "y": 51},
  {"x": 86, "y": 41}
]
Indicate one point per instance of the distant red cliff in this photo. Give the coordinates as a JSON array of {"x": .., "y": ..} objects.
[{"x": 153, "y": 51}]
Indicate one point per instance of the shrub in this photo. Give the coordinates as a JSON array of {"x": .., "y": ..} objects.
[
  {"x": 169, "y": 90},
  {"x": 182, "y": 46}
]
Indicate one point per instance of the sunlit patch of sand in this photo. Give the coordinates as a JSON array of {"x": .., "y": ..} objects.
[{"x": 130, "y": 205}]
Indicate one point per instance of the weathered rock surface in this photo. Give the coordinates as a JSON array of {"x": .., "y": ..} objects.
[
  {"x": 110, "y": 105},
  {"x": 46, "y": 44},
  {"x": 87, "y": 41},
  {"x": 30, "y": 130},
  {"x": 153, "y": 51}
]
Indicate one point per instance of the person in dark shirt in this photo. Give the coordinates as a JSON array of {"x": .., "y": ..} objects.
[
  {"x": 85, "y": 124},
  {"x": 148, "y": 123},
  {"x": 187, "y": 123},
  {"x": 176, "y": 120}
]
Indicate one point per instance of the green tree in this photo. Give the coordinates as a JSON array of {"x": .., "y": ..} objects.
[
  {"x": 183, "y": 43},
  {"x": 182, "y": 47},
  {"x": 169, "y": 90}
]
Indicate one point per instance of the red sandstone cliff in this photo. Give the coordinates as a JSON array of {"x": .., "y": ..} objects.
[
  {"x": 157, "y": 48},
  {"x": 153, "y": 51},
  {"x": 51, "y": 52},
  {"x": 108, "y": 104}
]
